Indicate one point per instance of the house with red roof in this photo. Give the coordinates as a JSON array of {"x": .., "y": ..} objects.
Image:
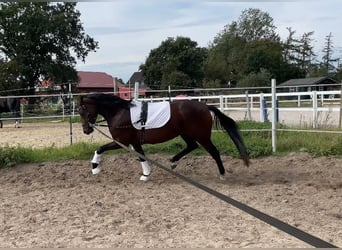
[
  {"x": 97, "y": 82},
  {"x": 102, "y": 82}
]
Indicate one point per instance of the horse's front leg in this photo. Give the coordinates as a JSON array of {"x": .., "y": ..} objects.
[
  {"x": 146, "y": 168},
  {"x": 97, "y": 156}
]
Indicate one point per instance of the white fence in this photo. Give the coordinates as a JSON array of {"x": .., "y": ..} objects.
[
  {"x": 295, "y": 110},
  {"x": 316, "y": 109}
]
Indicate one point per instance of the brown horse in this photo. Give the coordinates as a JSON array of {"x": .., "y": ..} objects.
[{"x": 191, "y": 120}]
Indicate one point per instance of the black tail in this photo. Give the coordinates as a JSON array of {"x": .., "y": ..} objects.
[{"x": 232, "y": 129}]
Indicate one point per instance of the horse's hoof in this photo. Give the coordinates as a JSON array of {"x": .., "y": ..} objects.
[
  {"x": 222, "y": 177},
  {"x": 144, "y": 177},
  {"x": 173, "y": 165},
  {"x": 95, "y": 171}
]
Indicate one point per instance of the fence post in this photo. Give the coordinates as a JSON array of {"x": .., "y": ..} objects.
[
  {"x": 274, "y": 116},
  {"x": 298, "y": 98},
  {"x": 261, "y": 107},
  {"x": 136, "y": 91},
  {"x": 264, "y": 109},
  {"x": 21, "y": 113},
  {"x": 221, "y": 103},
  {"x": 70, "y": 112},
  {"x": 314, "y": 108},
  {"x": 249, "y": 117}
]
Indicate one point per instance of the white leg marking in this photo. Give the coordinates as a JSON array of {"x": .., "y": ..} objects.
[
  {"x": 96, "y": 170},
  {"x": 96, "y": 160},
  {"x": 146, "y": 171}
]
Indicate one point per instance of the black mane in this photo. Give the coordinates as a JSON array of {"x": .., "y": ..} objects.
[{"x": 110, "y": 100}]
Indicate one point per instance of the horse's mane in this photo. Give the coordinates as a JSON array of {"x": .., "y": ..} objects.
[{"x": 110, "y": 100}]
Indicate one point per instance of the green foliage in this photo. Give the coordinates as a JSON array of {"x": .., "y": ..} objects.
[
  {"x": 225, "y": 62},
  {"x": 258, "y": 79},
  {"x": 39, "y": 39},
  {"x": 317, "y": 144},
  {"x": 248, "y": 53},
  {"x": 174, "y": 61},
  {"x": 254, "y": 24},
  {"x": 10, "y": 156}
]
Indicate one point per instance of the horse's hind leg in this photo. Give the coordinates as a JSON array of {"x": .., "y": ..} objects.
[
  {"x": 210, "y": 147},
  {"x": 191, "y": 145},
  {"x": 146, "y": 168}
]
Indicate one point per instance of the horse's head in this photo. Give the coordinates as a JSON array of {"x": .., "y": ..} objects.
[{"x": 88, "y": 112}]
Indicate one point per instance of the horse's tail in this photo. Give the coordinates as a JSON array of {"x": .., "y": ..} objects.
[{"x": 232, "y": 129}]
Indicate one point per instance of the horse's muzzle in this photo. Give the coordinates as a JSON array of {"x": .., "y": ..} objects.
[{"x": 88, "y": 130}]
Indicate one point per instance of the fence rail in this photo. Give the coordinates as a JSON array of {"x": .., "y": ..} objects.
[{"x": 316, "y": 109}]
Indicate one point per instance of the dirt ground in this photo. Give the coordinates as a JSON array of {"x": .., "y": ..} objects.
[
  {"x": 61, "y": 204},
  {"x": 45, "y": 134}
]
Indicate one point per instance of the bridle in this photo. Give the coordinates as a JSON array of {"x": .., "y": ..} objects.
[
  {"x": 85, "y": 112},
  {"x": 90, "y": 118}
]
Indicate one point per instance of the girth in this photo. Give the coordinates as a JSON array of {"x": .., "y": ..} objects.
[{"x": 143, "y": 119}]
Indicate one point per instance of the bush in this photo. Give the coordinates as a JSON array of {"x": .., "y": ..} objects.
[{"x": 10, "y": 156}]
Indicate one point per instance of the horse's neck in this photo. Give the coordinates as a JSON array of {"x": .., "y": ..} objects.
[{"x": 111, "y": 115}]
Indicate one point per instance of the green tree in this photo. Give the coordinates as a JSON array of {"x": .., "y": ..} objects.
[
  {"x": 256, "y": 79},
  {"x": 339, "y": 73},
  {"x": 225, "y": 62},
  {"x": 176, "y": 62},
  {"x": 263, "y": 54},
  {"x": 289, "y": 46},
  {"x": 255, "y": 24},
  {"x": 248, "y": 49},
  {"x": 9, "y": 84},
  {"x": 41, "y": 40},
  {"x": 327, "y": 58}
]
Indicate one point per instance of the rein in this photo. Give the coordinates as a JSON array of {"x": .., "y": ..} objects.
[
  {"x": 291, "y": 230},
  {"x": 84, "y": 107},
  {"x": 100, "y": 125},
  {"x": 107, "y": 126}
]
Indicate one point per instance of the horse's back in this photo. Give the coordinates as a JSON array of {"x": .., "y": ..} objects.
[
  {"x": 191, "y": 108},
  {"x": 193, "y": 116}
]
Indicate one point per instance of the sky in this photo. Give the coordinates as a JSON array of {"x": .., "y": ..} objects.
[{"x": 127, "y": 30}]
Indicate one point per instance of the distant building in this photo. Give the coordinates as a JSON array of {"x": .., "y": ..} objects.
[
  {"x": 97, "y": 82},
  {"x": 137, "y": 77},
  {"x": 103, "y": 82},
  {"x": 309, "y": 84}
]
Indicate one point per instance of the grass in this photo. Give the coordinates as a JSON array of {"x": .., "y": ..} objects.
[{"x": 258, "y": 143}]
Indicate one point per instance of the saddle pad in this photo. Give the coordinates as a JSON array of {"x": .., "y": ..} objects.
[{"x": 158, "y": 114}]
